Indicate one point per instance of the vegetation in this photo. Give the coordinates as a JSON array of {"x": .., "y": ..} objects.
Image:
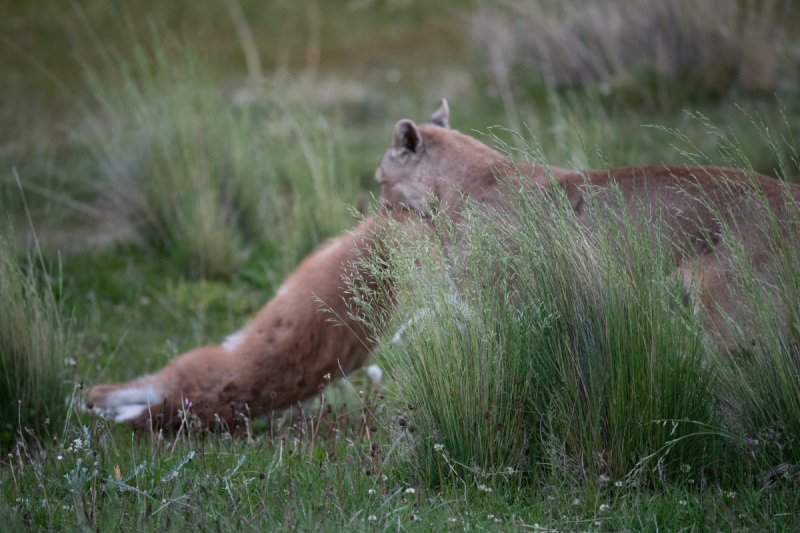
[
  {"x": 179, "y": 158},
  {"x": 598, "y": 361},
  {"x": 576, "y": 335},
  {"x": 35, "y": 349},
  {"x": 201, "y": 177}
]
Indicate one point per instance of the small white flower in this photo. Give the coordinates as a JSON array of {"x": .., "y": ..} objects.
[
  {"x": 489, "y": 516},
  {"x": 604, "y": 478},
  {"x": 438, "y": 447},
  {"x": 498, "y": 520},
  {"x": 576, "y": 502},
  {"x": 375, "y": 374},
  {"x": 59, "y": 457},
  {"x": 682, "y": 502},
  {"x": 371, "y": 492},
  {"x": 411, "y": 490},
  {"x": 452, "y": 520},
  {"x": 598, "y": 523},
  {"x": 604, "y": 507},
  {"x": 618, "y": 483},
  {"x": 372, "y": 518},
  {"x": 484, "y": 488},
  {"x": 327, "y": 377}
]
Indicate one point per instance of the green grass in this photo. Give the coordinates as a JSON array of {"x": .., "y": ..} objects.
[
  {"x": 575, "y": 361},
  {"x": 143, "y": 118},
  {"x": 203, "y": 176},
  {"x": 105, "y": 479},
  {"x": 35, "y": 350}
]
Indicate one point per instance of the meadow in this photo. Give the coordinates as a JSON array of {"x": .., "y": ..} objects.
[{"x": 164, "y": 165}]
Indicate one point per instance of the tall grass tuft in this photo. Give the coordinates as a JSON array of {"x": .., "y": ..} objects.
[
  {"x": 628, "y": 382},
  {"x": 204, "y": 174},
  {"x": 453, "y": 360},
  {"x": 531, "y": 345},
  {"x": 34, "y": 344}
]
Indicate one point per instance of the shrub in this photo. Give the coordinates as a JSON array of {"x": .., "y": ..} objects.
[{"x": 34, "y": 345}]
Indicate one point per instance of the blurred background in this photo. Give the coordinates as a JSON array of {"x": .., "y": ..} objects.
[
  {"x": 272, "y": 115},
  {"x": 186, "y": 155}
]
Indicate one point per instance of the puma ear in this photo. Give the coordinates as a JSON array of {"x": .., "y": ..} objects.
[
  {"x": 441, "y": 117},
  {"x": 407, "y": 136}
]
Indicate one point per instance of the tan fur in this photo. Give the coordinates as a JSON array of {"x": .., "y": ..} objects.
[
  {"x": 304, "y": 337},
  {"x": 430, "y": 164}
]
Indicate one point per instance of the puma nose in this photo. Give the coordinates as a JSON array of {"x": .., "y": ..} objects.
[{"x": 379, "y": 177}]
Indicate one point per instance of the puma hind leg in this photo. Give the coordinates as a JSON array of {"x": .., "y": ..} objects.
[
  {"x": 307, "y": 334},
  {"x": 190, "y": 381}
]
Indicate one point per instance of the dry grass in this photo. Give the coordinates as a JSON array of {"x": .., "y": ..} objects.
[{"x": 708, "y": 45}]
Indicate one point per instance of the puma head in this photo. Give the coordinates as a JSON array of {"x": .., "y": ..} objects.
[{"x": 432, "y": 164}]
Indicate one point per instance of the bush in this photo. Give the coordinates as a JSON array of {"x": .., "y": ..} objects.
[{"x": 34, "y": 345}]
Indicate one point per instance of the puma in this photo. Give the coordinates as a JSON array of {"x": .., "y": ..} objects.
[
  {"x": 308, "y": 334},
  {"x": 706, "y": 212},
  {"x": 303, "y": 338}
]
